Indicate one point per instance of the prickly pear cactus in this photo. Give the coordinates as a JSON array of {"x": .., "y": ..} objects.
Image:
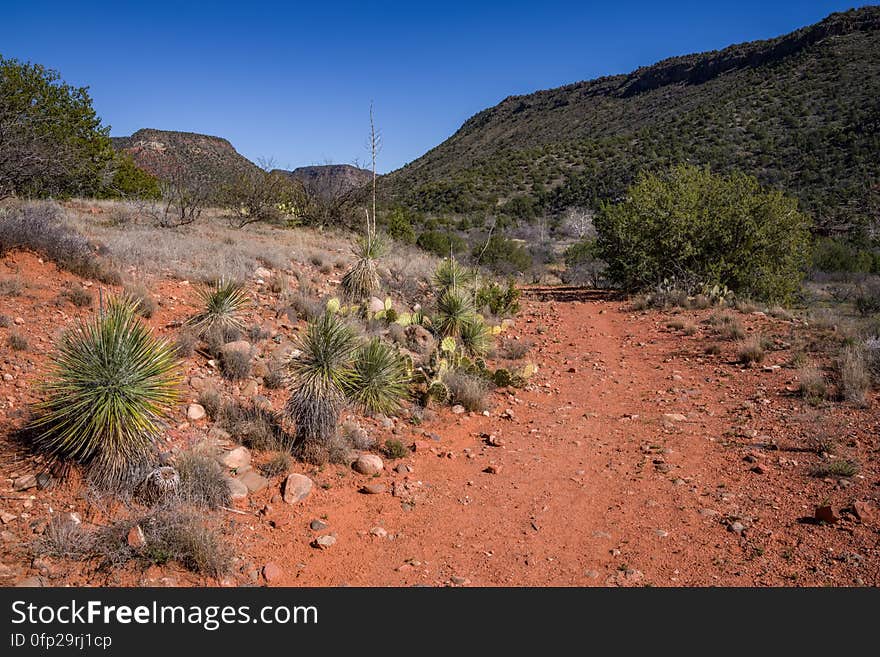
[
  {"x": 447, "y": 345},
  {"x": 502, "y": 377},
  {"x": 333, "y": 306},
  {"x": 438, "y": 392},
  {"x": 518, "y": 381}
]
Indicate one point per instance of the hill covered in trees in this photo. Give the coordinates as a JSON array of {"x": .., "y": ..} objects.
[{"x": 800, "y": 112}]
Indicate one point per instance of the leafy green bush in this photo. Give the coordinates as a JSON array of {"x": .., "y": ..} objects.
[
  {"x": 501, "y": 300},
  {"x": 111, "y": 386},
  {"x": 130, "y": 181},
  {"x": 399, "y": 227},
  {"x": 704, "y": 229},
  {"x": 835, "y": 255},
  {"x": 441, "y": 243},
  {"x": 502, "y": 255}
]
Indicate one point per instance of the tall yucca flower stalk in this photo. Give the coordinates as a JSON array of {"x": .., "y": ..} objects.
[
  {"x": 319, "y": 378},
  {"x": 380, "y": 378},
  {"x": 110, "y": 388},
  {"x": 222, "y": 305},
  {"x": 454, "y": 308}
]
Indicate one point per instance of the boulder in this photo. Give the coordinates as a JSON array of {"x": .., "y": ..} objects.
[
  {"x": 296, "y": 488},
  {"x": 368, "y": 464}
]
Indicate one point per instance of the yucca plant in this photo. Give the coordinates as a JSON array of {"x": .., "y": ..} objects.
[
  {"x": 454, "y": 309},
  {"x": 475, "y": 336},
  {"x": 381, "y": 377},
  {"x": 451, "y": 275},
  {"x": 362, "y": 279},
  {"x": 222, "y": 305},
  {"x": 110, "y": 388},
  {"x": 319, "y": 378}
]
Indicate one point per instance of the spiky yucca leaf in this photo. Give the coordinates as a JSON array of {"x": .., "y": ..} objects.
[
  {"x": 362, "y": 279},
  {"x": 454, "y": 308},
  {"x": 451, "y": 275},
  {"x": 319, "y": 377},
  {"x": 111, "y": 386},
  {"x": 380, "y": 380},
  {"x": 222, "y": 304},
  {"x": 475, "y": 337}
]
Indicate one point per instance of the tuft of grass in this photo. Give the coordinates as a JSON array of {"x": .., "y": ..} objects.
[
  {"x": 79, "y": 297},
  {"x": 713, "y": 349},
  {"x": 380, "y": 379},
  {"x": 111, "y": 386},
  {"x": 65, "y": 540},
  {"x": 212, "y": 401},
  {"x": 254, "y": 427},
  {"x": 146, "y": 304},
  {"x": 812, "y": 385},
  {"x": 732, "y": 331},
  {"x": 676, "y": 324},
  {"x": 515, "y": 349},
  {"x": 17, "y": 342},
  {"x": 203, "y": 482},
  {"x": 11, "y": 287},
  {"x": 838, "y": 468},
  {"x": 750, "y": 350},
  {"x": 855, "y": 377},
  {"x": 468, "y": 390},
  {"x": 5, "y": 322},
  {"x": 185, "y": 344},
  {"x": 222, "y": 305},
  {"x": 275, "y": 378},
  {"x": 395, "y": 449},
  {"x": 277, "y": 465},
  {"x": 236, "y": 363}
]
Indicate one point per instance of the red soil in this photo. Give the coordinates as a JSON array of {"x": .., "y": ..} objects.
[{"x": 595, "y": 480}]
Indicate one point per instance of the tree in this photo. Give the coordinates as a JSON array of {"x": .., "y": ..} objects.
[
  {"x": 264, "y": 195},
  {"x": 697, "y": 229},
  {"x": 184, "y": 196},
  {"x": 51, "y": 140},
  {"x": 130, "y": 181}
]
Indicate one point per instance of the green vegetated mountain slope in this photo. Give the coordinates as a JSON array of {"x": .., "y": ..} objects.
[
  {"x": 195, "y": 157},
  {"x": 801, "y": 112}
]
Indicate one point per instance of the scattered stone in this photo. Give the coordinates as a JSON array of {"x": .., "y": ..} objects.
[
  {"x": 272, "y": 572},
  {"x": 237, "y": 489},
  {"x": 458, "y": 409},
  {"x": 237, "y": 458},
  {"x": 758, "y": 469},
  {"x": 197, "y": 383},
  {"x": 25, "y": 482},
  {"x": 70, "y": 518},
  {"x": 296, "y": 488},
  {"x": 195, "y": 412},
  {"x": 494, "y": 440},
  {"x": 262, "y": 272},
  {"x": 18, "y": 321},
  {"x": 324, "y": 542},
  {"x": 373, "y": 489},
  {"x": 403, "y": 468},
  {"x": 368, "y": 464},
  {"x": 6, "y": 517},
  {"x": 375, "y": 305},
  {"x": 826, "y": 514},
  {"x": 379, "y": 532},
  {"x": 592, "y": 574},
  {"x": 459, "y": 581},
  {"x": 254, "y": 481},
  {"x": 737, "y": 528},
  {"x": 136, "y": 538},
  {"x": 318, "y": 525},
  {"x": 662, "y": 533},
  {"x": 492, "y": 469},
  {"x": 674, "y": 417},
  {"x": 866, "y": 512}
]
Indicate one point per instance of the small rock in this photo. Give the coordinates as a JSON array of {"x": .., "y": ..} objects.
[
  {"x": 373, "y": 489},
  {"x": 674, "y": 417},
  {"x": 368, "y": 464},
  {"x": 296, "y": 488},
  {"x": 254, "y": 481},
  {"x": 136, "y": 538},
  {"x": 70, "y": 518},
  {"x": 494, "y": 441},
  {"x": 272, "y": 572},
  {"x": 662, "y": 533},
  {"x": 459, "y": 581},
  {"x": 825, "y": 514},
  {"x": 318, "y": 525},
  {"x": 458, "y": 409},
  {"x": 18, "y": 321},
  {"x": 866, "y": 512},
  {"x": 492, "y": 469},
  {"x": 250, "y": 389},
  {"x": 758, "y": 469},
  {"x": 237, "y": 489},
  {"x": 195, "y": 412},
  {"x": 403, "y": 468},
  {"x": 737, "y": 528},
  {"x": 379, "y": 532},
  {"x": 375, "y": 305},
  {"x": 324, "y": 542},
  {"x": 25, "y": 482},
  {"x": 262, "y": 272},
  {"x": 237, "y": 458},
  {"x": 6, "y": 517}
]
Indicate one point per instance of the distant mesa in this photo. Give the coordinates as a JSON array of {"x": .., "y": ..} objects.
[{"x": 330, "y": 180}]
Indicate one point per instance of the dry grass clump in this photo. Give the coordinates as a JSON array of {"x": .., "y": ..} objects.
[
  {"x": 855, "y": 377},
  {"x": 11, "y": 287},
  {"x": 64, "y": 539},
  {"x": 838, "y": 468},
  {"x": 146, "y": 307},
  {"x": 750, "y": 350},
  {"x": 468, "y": 390},
  {"x": 254, "y": 427},
  {"x": 185, "y": 344},
  {"x": 212, "y": 401},
  {"x": 278, "y": 464},
  {"x": 203, "y": 482},
  {"x": 812, "y": 385},
  {"x": 713, "y": 349},
  {"x": 514, "y": 349},
  {"x": 78, "y": 296},
  {"x": 236, "y": 364},
  {"x": 17, "y": 342}
]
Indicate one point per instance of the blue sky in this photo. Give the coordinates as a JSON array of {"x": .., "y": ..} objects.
[{"x": 293, "y": 81}]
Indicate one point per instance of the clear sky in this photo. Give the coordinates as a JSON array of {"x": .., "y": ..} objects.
[{"x": 294, "y": 80}]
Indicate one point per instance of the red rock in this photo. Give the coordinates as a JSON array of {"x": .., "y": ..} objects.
[
  {"x": 136, "y": 538},
  {"x": 825, "y": 514},
  {"x": 272, "y": 572},
  {"x": 373, "y": 489},
  {"x": 866, "y": 512},
  {"x": 493, "y": 469}
]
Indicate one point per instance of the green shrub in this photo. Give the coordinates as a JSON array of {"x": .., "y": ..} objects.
[
  {"x": 454, "y": 309},
  {"x": 503, "y": 256},
  {"x": 500, "y": 300},
  {"x": 380, "y": 379},
  {"x": 130, "y": 181},
  {"x": 395, "y": 449},
  {"x": 111, "y": 386},
  {"x": 399, "y": 227},
  {"x": 688, "y": 224},
  {"x": 835, "y": 255},
  {"x": 440, "y": 243}
]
